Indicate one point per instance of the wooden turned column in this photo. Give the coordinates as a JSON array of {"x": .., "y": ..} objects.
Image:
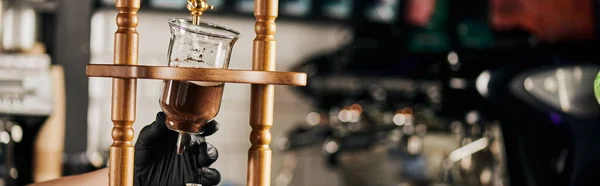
[
  {"x": 261, "y": 105},
  {"x": 124, "y": 95}
]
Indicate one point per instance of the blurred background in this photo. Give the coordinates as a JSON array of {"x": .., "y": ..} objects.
[{"x": 400, "y": 92}]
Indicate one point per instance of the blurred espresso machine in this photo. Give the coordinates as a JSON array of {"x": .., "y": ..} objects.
[
  {"x": 521, "y": 119},
  {"x": 30, "y": 142},
  {"x": 439, "y": 97}
]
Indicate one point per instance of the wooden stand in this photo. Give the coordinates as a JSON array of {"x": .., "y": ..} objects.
[{"x": 125, "y": 73}]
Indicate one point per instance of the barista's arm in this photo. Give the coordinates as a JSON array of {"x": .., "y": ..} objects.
[{"x": 99, "y": 177}]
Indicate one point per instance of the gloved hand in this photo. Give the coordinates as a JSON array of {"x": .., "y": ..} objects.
[{"x": 157, "y": 162}]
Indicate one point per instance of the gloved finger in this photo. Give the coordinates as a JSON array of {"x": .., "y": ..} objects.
[
  {"x": 156, "y": 132},
  {"x": 209, "y": 176},
  {"x": 193, "y": 149},
  {"x": 210, "y": 128},
  {"x": 207, "y": 154}
]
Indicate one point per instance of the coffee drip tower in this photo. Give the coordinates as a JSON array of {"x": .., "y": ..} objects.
[{"x": 198, "y": 67}]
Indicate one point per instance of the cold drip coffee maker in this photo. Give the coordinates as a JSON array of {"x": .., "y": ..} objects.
[
  {"x": 195, "y": 44},
  {"x": 198, "y": 61}
]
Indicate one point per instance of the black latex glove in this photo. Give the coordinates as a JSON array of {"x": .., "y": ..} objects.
[{"x": 157, "y": 162}]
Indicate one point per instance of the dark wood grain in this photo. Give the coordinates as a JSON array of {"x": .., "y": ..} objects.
[{"x": 197, "y": 74}]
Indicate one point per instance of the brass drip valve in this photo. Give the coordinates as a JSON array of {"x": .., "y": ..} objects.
[{"x": 197, "y": 8}]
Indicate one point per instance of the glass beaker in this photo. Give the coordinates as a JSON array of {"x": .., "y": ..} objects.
[{"x": 191, "y": 104}]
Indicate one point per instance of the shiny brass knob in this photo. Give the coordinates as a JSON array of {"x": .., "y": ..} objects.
[{"x": 197, "y": 8}]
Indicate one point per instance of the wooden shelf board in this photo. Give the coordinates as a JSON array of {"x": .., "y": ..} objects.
[{"x": 197, "y": 74}]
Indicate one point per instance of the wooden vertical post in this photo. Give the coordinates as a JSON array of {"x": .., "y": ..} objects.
[
  {"x": 124, "y": 95},
  {"x": 261, "y": 106}
]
